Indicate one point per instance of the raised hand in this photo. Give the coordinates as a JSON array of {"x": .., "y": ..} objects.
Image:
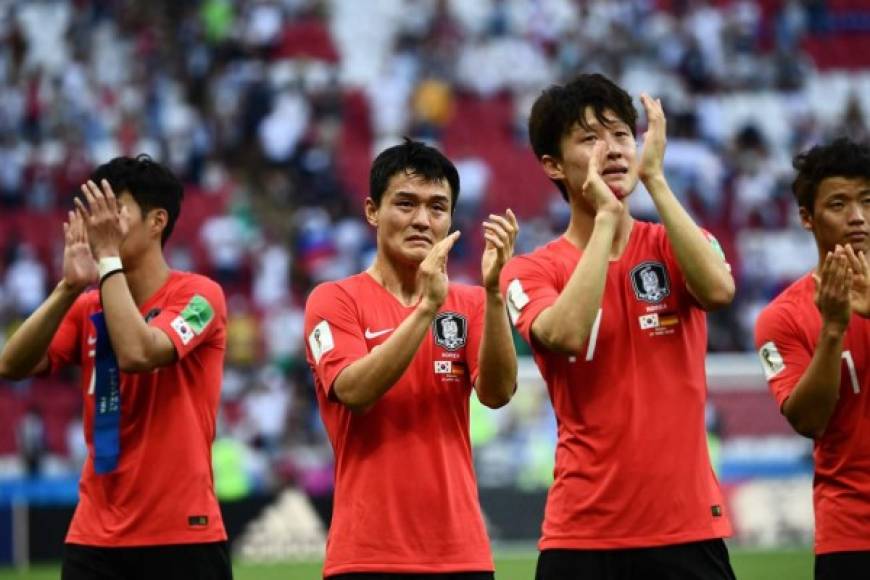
[
  {"x": 596, "y": 192},
  {"x": 833, "y": 287},
  {"x": 432, "y": 274},
  {"x": 653, "y": 154},
  {"x": 859, "y": 295},
  {"x": 79, "y": 267},
  {"x": 105, "y": 227},
  {"x": 500, "y": 233}
]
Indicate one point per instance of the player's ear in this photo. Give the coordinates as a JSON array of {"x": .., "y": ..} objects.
[
  {"x": 371, "y": 212},
  {"x": 806, "y": 218},
  {"x": 157, "y": 220},
  {"x": 552, "y": 167}
]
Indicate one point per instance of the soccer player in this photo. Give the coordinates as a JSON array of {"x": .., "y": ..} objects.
[
  {"x": 150, "y": 342},
  {"x": 396, "y": 351},
  {"x": 614, "y": 312},
  {"x": 814, "y": 345}
]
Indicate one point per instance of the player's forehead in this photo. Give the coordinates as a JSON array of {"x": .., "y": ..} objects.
[
  {"x": 588, "y": 120},
  {"x": 407, "y": 184},
  {"x": 838, "y": 185}
]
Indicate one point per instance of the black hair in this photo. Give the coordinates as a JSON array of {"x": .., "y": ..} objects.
[
  {"x": 559, "y": 108},
  {"x": 841, "y": 158},
  {"x": 414, "y": 158},
  {"x": 152, "y": 185}
]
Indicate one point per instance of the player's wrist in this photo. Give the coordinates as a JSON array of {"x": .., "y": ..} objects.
[
  {"x": 833, "y": 329},
  {"x": 654, "y": 181},
  {"x": 494, "y": 297},
  {"x": 109, "y": 266},
  {"x": 67, "y": 289},
  {"x": 428, "y": 307}
]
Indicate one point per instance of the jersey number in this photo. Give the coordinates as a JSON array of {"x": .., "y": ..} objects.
[{"x": 853, "y": 374}]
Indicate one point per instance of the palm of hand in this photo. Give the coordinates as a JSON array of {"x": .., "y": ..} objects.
[
  {"x": 490, "y": 266},
  {"x": 79, "y": 267}
]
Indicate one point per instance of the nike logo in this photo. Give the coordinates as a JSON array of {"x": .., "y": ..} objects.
[
  {"x": 92, "y": 340},
  {"x": 370, "y": 335}
]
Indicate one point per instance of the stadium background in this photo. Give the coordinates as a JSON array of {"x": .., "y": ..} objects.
[{"x": 271, "y": 111}]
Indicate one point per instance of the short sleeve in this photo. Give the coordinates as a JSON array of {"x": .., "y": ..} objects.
[
  {"x": 333, "y": 333},
  {"x": 529, "y": 288},
  {"x": 64, "y": 346},
  {"x": 784, "y": 353},
  {"x": 195, "y": 313},
  {"x": 674, "y": 266}
]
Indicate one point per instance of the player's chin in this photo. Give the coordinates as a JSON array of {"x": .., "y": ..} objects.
[
  {"x": 621, "y": 187},
  {"x": 859, "y": 244}
]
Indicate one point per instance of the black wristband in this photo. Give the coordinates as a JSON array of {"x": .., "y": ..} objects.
[{"x": 108, "y": 275}]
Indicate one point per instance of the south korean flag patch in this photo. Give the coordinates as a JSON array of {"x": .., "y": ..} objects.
[
  {"x": 182, "y": 329},
  {"x": 450, "y": 330}
]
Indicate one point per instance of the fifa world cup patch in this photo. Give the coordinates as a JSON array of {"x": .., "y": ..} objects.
[
  {"x": 516, "y": 299},
  {"x": 320, "y": 340},
  {"x": 450, "y": 330},
  {"x": 195, "y": 317},
  {"x": 771, "y": 360}
]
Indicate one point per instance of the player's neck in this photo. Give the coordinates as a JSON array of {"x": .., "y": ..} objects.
[
  {"x": 582, "y": 223},
  {"x": 146, "y": 275},
  {"x": 399, "y": 281}
]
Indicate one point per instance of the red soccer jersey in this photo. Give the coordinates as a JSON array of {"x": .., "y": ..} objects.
[
  {"x": 405, "y": 491},
  {"x": 632, "y": 465},
  {"x": 162, "y": 490},
  {"x": 786, "y": 335}
]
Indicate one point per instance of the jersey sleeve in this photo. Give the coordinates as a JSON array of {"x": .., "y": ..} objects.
[
  {"x": 528, "y": 289},
  {"x": 784, "y": 354},
  {"x": 195, "y": 313},
  {"x": 64, "y": 346},
  {"x": 676, "y": 270},
  {"x": 333, "y": 333}
]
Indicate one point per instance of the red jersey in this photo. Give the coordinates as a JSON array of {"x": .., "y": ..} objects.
[
  {"x": 632, "y": 465},
  {"x": 405, "y": 491},
  {"x": 786, "y": 335},
  {"x": 162, "y": 490}
]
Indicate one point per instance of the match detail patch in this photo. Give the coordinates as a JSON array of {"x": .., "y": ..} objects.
[
  {"x": 443, "y": 367},
  {"x": 771, "y": 360},
  {"x": 320, "y": 340}
]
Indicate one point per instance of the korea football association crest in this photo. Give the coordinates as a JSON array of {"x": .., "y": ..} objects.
[
  {"x": 650, "y": 282},
  {"x": 451, "y": 330}
]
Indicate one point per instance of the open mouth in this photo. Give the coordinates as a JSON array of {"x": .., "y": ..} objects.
[{"x": 614, "y": 171}]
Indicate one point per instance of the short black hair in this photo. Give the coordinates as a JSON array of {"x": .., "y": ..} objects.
[
  {"x": 559, "y": 108},
  {"x": 152, "y": 185},
  {"x": 415, "y": 158},
  {"x": 840, "y": 158}
]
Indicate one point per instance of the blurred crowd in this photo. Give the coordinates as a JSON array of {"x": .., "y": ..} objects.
[{"x": 271, "y": 111}]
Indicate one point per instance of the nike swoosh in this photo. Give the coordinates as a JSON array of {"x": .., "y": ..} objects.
[
  {"x": 370, "y": 335},
  {"x": 92, "y": 340}
]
